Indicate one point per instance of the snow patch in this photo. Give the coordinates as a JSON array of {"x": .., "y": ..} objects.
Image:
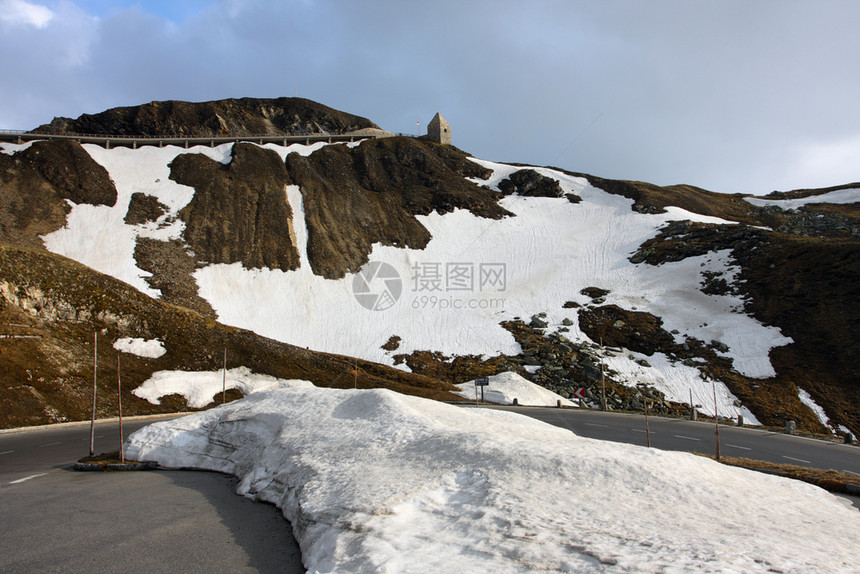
[
  {"x": 150, "y": 349},
  {"x": 505, "y": 387},
  {"x": 678, "y": 382},
  {"x": 807, "y": 399},
  {"x": 200, "y": 388},
  {"x": 842, "y": 196}
]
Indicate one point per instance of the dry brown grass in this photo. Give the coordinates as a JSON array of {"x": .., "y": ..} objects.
[{"x": 832, "y": 480}]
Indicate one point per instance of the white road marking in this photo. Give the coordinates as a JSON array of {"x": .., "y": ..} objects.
[
  {"x": 7, "y": 452},
  {"x": 26, "y": 478},
  {"x": 687, "y": 437},
  {"x": 595, "y": 425},
  {"x": 797, "y": 459},
  {"x": 740, "y": 447},
  {"x": 637, "y": 430},
  {"x": 51, "y": 443}
]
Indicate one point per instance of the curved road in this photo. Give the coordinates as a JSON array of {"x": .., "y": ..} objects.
[
  {"x": 689, "y": 436},
  {"x": 53, "y": 519}
]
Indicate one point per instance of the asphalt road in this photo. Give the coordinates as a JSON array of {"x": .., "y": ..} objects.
[
  {"x": 688, "y": 436},
  {"x": 54, "y": 519}
]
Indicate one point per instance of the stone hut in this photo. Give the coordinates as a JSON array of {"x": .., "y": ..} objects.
[{"x": 438, "y": 130}]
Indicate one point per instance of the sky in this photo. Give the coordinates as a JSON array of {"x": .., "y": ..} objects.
[{"x": 729, "y": 95}]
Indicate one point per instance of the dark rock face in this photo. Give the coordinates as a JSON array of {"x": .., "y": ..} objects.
[
  {"x": 240, "y": 211},
  {"x": 241, "y": 117},
  {"x": 172, "y": 267},
  {"x": 617, "y": 327},
  {"x": 529, "y": 183},
  {"x": 50, "y": 172},
  {"x": 682, "y": 239},
  {"x": 355, "y": 197},
  {"x": 144, "y": 209}
]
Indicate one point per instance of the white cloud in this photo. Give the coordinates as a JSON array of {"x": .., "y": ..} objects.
[
  {"x": 19, "y": 12},
  {"x": 724, "y": 95}
]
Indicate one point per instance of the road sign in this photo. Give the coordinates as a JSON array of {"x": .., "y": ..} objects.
[
  {"x": 579, "y": 393},
  {"x": 482, "y": 381}
]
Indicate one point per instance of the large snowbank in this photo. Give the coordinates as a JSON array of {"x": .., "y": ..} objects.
[
  {"x": 373, "y": 481},
  {"x": 505, "y": 387}
]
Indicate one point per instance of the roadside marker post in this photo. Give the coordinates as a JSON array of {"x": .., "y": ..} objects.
[
  {"x": 647, "y": 428},
  {"x": 716, "y": 420},
  {"x": 119, "y": 405},
  {"x": 95, "y": 375},
  {"x": 224, "y": 381},
  {"x": 481, "y": 382}
]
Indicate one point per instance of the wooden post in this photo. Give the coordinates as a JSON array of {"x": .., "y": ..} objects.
[
  {"x": 692, "y": 407},
  {"x": 355, "y": 374},
  {"x": 224, "y": 380},
  {"x": 602, "y": 376},
  {"x": 716, "y": 420},
  {"x": 119, "y": 403},
  {"x": 95, "y": 371},
  {"x": 647, "y": 428}
]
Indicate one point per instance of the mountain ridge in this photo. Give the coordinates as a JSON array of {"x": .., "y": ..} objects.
[{"x": 234, "y": 116}]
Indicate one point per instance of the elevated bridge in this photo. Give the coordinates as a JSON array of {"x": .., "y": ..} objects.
[{"x": 109, "y": 141}]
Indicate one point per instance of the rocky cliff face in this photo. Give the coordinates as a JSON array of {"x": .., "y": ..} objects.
[
  {"x": 239, "y": 212},
  {"x": 239, "y": 117}
]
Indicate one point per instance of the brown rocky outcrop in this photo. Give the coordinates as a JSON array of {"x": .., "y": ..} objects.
[
  {"x": 355, "y": 197},
  {"x": 36, "y": 182},
  {"x": 239, "y": 212},
  {"x": 144, "y": 208}
]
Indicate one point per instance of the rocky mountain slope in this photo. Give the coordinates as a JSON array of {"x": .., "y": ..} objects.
[
  {"x": 599, "y": 271},
  {"x": 52, "y": 310}
]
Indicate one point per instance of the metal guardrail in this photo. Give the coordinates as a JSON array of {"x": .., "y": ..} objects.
[{"x": 20, "y": 136}]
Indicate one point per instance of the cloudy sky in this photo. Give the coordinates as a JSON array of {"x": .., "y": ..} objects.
[{"x": 730, "y": 95}]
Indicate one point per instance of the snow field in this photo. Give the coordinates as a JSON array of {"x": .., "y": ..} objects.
[
  {"x": 373, "y": 481},
  {"x": 542, "y": 258}
]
